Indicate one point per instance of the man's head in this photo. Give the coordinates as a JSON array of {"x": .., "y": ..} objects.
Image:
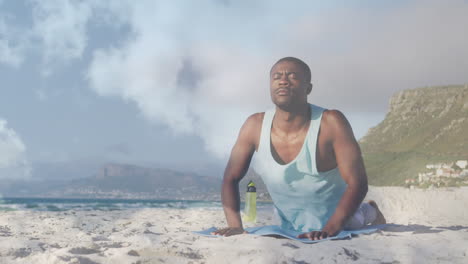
[{"x": 290, "y": 82}]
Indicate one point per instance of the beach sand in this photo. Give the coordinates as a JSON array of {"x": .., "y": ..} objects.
[{"x": 431, "y": 226}]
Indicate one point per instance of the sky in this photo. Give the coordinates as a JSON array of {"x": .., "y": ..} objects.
[{"x": 171, "y": 82}]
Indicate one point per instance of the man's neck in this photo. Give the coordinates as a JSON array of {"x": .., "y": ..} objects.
[{"x": 292, "y": 119}]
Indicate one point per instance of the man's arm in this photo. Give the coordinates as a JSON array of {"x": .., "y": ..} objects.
[
  {"x": 351, "y": 166},
  {"x": 236, "y": 168}
]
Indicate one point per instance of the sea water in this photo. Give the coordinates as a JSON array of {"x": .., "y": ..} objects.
[{"x": 88, "y": 204}]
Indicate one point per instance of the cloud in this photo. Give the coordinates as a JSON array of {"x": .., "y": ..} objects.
[
  {"x": 61, "y": 27},
  {"x": 356, "y": 55},
  {"x": 13, "y": 161},
  {"x": 185, "y": 76},
  {"x": 58, "y": 33},
  {"x": 12, "y": 44},
  {"x": 202, "y": 67}
]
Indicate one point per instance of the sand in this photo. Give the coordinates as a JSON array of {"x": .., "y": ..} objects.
[{"x": 431, "y": 226}]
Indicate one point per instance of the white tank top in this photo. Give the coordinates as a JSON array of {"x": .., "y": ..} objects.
[{"x": 304, "y": 198}]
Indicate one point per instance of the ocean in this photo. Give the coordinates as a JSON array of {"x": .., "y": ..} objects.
[{"x": 88, "y": 204}]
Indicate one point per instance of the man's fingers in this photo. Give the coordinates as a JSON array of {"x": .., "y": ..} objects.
[
  {"x": 234, "y": 231},
  {"x": 219, "y": 231},
  {"x": 229, "y": 231},
  {"x": 324, "y": 235},
  {"x": 308, "y": 235},
  {"x": 314, "y": 235},
  {"x": 226, "y": 232},
  {"x": 304, "y": 235}
]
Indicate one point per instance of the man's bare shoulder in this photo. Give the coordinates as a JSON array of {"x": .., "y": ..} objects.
[
  {"x": 252, "y": 128},
  {"x": 335, "y": 123},
  {"x": 332, "y": 116},
  {"x": 255, "y": 119}
]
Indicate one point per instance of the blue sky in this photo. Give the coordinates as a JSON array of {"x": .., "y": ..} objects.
[{"x": 170, "y": 82}]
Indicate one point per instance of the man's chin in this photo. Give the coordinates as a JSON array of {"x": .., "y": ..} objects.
[
  {"x": 287, "y": 105},
  {"x": 283, "y": 104}
]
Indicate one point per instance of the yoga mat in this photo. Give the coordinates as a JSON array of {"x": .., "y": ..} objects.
[{"x": 276, "y": 230}]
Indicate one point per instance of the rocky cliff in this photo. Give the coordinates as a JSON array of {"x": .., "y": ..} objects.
[
  {"x": 422, "y": 125},
  {"x": 133, "y": 178}
]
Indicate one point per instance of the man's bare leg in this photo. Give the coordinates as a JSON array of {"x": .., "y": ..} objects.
[{"x": 380, "y": 219}]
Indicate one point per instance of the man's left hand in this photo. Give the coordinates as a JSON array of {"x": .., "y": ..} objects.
[{"x": 317, "y": 235}]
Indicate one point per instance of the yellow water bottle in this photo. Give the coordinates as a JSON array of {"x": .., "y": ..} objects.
[{"x": 250, "y": 210}]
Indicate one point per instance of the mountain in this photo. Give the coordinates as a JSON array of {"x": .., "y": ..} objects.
[
  {"x": 64, "y": 170},
  {"x": 113, "y": 180},
  {"x": 118, "y": 181},
  {"x": 125, "y": 179},
  {"x": 424, "y": 125}
]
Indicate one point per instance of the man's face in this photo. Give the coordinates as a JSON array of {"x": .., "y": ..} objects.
[{"x": 288, "y": 84}]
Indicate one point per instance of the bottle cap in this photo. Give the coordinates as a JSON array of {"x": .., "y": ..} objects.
[{"x": 251, "y": 187}]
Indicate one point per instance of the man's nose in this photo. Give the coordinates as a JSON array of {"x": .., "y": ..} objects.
[{"x": 284, "y": 80}]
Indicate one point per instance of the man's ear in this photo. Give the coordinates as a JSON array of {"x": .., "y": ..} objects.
[{"x": 309, "y": 88}]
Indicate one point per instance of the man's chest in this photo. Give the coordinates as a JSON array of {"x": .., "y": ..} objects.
[{"x": 285, "y": 151}]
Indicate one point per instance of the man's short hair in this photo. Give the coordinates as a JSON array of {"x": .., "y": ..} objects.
[{"x": 303, "y": 65}]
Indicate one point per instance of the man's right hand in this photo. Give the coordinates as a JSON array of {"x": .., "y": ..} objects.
[{"x": 229, "y": 231}]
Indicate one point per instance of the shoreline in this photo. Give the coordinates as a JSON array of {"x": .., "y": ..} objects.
[{"x": 415, "y": 188}]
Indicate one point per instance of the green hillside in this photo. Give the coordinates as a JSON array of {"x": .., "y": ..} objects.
[{"x": 424, "y": 125}]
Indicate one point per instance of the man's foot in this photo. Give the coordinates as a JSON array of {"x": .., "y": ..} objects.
[{"x": 380, "y": 219}]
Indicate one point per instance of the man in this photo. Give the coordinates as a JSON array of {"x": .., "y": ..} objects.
[{"x": 307, "y": 157}]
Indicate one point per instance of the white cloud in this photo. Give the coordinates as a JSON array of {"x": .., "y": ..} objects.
[
  {"x": 359, "y": 56},
  {"x": 147, "y": 70},
  {"x": 13, "y": 161},
  {"x": 58, "y": 33},
  {"x": 11, "y": 43},
  {"x": 355, "y": 56},
  {"x": 61, "y": 27}
]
